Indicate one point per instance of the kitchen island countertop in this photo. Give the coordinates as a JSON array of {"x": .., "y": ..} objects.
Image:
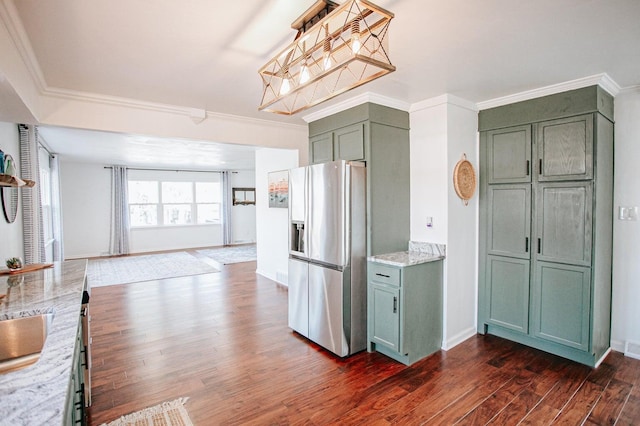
[{"x": 36, "y": 395}]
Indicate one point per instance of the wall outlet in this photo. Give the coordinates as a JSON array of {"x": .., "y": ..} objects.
[
  {"x": 429, "y": 222},
  {"x": 628, "y": 213}
]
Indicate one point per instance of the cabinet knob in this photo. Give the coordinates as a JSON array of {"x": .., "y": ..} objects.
[{"x": 395, "y": 304}]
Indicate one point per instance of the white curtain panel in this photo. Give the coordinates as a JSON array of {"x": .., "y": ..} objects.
[
  {"x": 56, "y": 208},
  {"x": 227, "y": 227},
  {"x": 32, "y": 224},
  {"x": 119, "y": 240}
]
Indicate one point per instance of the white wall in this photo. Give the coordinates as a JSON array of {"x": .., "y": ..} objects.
[
  {"x": 177, "y": 237},
  {"x": 11, "y": 233},
  {"x": 626, "y": 235},
  {"x": 243, "y": 217},
  {"x": 428, "y": 162},
  {"x": 271, "y": 226},
  {"x": 86, "y": 204},
  {"x": 442, "y": 129},
  {"x": 461, "y": 292}
]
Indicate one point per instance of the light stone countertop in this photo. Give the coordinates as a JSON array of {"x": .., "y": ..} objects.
[
  {"x": 419, "y": 252},
  {"x": 405, "y": 258},
  {"x": 36, "y": 395}
]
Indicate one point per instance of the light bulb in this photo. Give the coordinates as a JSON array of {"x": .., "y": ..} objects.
[
  {"x": 327, "y": 61},
  {"x": 285, "y": 87},
  {"x": 304, "y": 74},
  {"x": 355, "y": 36},
  {"x": 355, "y": 43},
  {"x": 326, "y": 50}
]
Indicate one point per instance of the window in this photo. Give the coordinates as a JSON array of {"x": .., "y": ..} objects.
[{"x": 167, "y": 203}]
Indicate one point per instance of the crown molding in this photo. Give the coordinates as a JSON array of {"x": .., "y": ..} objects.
[
  {"x": 355, "y": 101},
  {"x": 441, "y": 100},
  {"x": 630, "y": 89},
  {"x": 196, "y": 114},
  {"x": 9, "y": 15},
  {"x": 603, "y": 80}
]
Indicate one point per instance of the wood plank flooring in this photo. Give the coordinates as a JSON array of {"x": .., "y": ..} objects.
[{"x": 222, "y": 340}]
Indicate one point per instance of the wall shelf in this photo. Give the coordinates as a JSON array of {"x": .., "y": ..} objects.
[{"x": 14, "y": 181}]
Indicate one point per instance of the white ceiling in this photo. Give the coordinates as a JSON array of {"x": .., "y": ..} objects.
[{"x": 205, "y": 54}]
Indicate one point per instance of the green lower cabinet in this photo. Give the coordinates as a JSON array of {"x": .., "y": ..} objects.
[
  {"x": 385, "y": 324},
  {"x": 508, "y": 288},
  {"x": 561, "y": 304},
  {"x": 405, "y": 310}
]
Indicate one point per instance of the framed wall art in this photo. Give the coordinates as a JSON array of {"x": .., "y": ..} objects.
[{"x": 279, "y": 189}]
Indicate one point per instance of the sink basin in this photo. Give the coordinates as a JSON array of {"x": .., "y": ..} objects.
[{"x": 22, "y": 341}]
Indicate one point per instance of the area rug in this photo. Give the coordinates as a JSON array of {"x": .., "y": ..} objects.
[
  {"x": 131, "y": 269},
  {"x": 231, "y": 254},
  {"x": 170, "y": 413}
]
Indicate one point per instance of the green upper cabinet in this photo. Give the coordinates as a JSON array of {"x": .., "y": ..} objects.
[
  {"x": 564, "y": 222},
  {"x": 509, "y": 155},
  {"x": 565, "y": 149},
  {"x": 346, "y": 143},
  {"x": 349, "y": 143},
  {"x": 321, "y": 147},
  {"x": 509, "y": 220}
]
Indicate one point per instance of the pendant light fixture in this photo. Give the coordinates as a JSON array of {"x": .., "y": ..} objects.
[{"x": 337, "y": 47}]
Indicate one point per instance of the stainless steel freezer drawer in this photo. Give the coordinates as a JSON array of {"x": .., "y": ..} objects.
[{"x": 326, "y": 316}]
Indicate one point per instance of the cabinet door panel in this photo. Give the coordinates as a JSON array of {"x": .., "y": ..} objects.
[
  {"x": 509, "y": 155},
  {"x": 561, "y": 306},
  {"x": 563, "y": 228},
  {"x": 349, "y": 143},
  {"x": 509, "y": 220},
  {"x": 565, "y": 149},
  {"x": 508, "y": 292},
  {"x": 321, "y": 148},
  {"x": 386, "y": 315}
]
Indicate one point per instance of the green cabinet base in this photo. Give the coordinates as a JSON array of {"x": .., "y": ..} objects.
[
  {"x": 405, "y": 359},
  {"x": 583, "y": 357},
  {"x": 405, "y": 310}
]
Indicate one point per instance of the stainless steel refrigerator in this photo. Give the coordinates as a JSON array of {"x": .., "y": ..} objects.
[{"x": 327, "y": 255}]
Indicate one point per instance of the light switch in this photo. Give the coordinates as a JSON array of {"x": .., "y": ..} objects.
[{"x": 628, "y": 213}]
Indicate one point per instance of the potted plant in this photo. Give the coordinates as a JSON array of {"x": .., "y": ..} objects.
[{"x": 14, "y": 263}]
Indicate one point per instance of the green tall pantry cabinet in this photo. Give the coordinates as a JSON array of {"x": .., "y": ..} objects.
[
  {"x": 546, "y": 219},
  {"x": 379, "y": 136}
]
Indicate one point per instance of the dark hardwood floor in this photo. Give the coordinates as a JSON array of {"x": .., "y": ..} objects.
[{"x": 222, "y": 340}]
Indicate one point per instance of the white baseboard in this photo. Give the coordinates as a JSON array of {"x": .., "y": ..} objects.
[
  {"x": 270, "y": 276},
  {"x": 617, "y": 345},
  {"x": 459, "y": 338}
]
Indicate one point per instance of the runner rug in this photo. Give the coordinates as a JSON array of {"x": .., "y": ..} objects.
[
  {"x": 131, "y": 269},
  {"x": 170, "y": 413}
]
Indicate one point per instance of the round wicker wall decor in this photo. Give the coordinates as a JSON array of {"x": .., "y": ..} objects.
[{"x": 464, "y": 179}]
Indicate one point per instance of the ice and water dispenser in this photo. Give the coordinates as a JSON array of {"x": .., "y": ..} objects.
[{"x": 297, "y": 237}]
